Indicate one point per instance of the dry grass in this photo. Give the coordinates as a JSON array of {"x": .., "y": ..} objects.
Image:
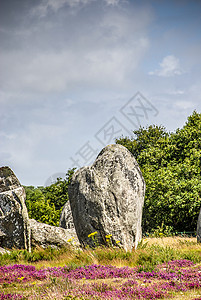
[
  {"x": 192, "y": 294},
  {"x": 177, "y": 242},
  {"x": 172, "y": 247}
]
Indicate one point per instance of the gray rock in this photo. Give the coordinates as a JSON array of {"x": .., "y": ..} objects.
[
  {"x": 14, "y": 220},
  {"x": 199, "y": 228},
  {"x": 108, "y": 198},
  {"x": 4, "y": 251},
  {"x": 66, "y": 218},
  {"x": 45, "y": 235}
]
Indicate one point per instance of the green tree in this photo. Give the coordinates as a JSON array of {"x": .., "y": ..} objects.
[
  {"x": 40, "y": 208},
  {"x": 57, "y": 193},
  {"x": 44, "y": 204},
  {"x": 170, "y": 163}
]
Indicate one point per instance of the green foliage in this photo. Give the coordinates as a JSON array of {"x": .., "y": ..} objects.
[
  {"x": 40, "y": 208},
  {"x": 162, "y": 231},
  {"x": 57, "y": 193},
  {"x": 170, "y": 163},
  {"x": 38, "y": 254},
  {"x": 44, "y": 204},
  {"x": 144, "y": 139}
]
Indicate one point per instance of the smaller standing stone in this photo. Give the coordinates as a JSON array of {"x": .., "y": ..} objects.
[{"x": 66, "y": 218}]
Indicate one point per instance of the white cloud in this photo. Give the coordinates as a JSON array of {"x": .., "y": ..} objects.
[
  {"x": 184, "y": 104},
  {"x": 170, "y": 66},
  {"x": 68, "y": 66},
  {"x": 41, "y": 10},
  {"x": 54, "y": 72},
  {"x": 7, "y": 136},
  {"x": 176, "y": 92},
  {"x": 113, "y": 2},
  {"x": 97, "y": 54}
]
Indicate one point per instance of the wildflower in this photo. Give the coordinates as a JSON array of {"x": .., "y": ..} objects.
[
  {"x": 117, "y": 242},
  {"x": 93, "y": 233},
  {"x": 70, "y": 240},
  {"x": 21, "y": 278},
  {"x": 108, "y": 236}
]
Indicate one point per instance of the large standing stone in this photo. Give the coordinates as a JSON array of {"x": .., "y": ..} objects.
[
  {"x": 66, "y": 218},
  {"x": 108, "y": 197},
  {"x": 14, "y": 220},
  {"x": 45, "y": 235}
]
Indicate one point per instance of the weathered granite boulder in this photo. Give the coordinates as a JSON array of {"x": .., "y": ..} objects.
[
  {"x": 45, "y": 235},
  {"x": 14, "y": 220},
  {"x": 4, "y": 251},
  {"x": 66, "y": 218},
  {"x": 199, "y": 228},
  {"x": 108, "y": 198}
]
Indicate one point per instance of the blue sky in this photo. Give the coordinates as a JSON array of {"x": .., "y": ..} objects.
[{"x": 74, "y": 74}]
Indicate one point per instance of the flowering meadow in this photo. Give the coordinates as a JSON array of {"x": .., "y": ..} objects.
[
  {"x": 150, "y": 272},
  {"x": 100, "y": 282}
]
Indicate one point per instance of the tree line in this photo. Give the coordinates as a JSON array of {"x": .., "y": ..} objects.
[{"x": 170, "y": 163}]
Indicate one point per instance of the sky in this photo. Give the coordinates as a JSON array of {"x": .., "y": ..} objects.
[{"x": 76, "y": 74}]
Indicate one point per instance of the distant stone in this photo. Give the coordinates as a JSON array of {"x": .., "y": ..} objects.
[
  {"x": 45, "y": 235},
  {"x": 14, "y": 220},
  {"x": 199, "y": 228},
  {"x": 108, "y": 198},
  {"x": 66, "y": 218}
]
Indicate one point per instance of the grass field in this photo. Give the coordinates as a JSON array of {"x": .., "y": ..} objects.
[{"x": 161, "y": 268}]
